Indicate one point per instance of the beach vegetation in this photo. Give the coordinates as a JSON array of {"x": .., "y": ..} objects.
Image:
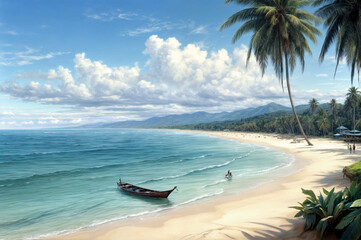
[
  {"x": 321, "y": 213},
  {"x": 338, "y": 212},
  {"x": 354, "y": 171},
  {"x": 280, "y": 32}
]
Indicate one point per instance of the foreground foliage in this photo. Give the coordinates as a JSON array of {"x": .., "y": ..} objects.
[{"x": 338, "y": 212}]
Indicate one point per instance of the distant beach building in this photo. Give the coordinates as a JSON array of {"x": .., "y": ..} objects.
[
  {"x": 341, "y": 131},
  {"x": 352, "y": 136}
]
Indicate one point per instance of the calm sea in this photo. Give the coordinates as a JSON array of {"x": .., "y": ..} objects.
[{"x": 58, "y": 181}]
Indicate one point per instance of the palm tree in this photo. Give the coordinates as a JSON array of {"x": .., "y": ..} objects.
[
  {"x": 353, "y": 96},
  {"x": 313, "y": 105},
  {"x": 324, "y": 125},
  {"x": 279, "y": 31},
  {"x": 343, "y": 19},
  {"x": 333, "y": 105}
]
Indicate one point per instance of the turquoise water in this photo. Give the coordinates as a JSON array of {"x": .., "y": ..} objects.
[{"x": 58, "y": 181}]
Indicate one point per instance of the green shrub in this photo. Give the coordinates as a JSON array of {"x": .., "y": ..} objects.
[
  {"x": 322, "y": 213},
  {"x": 334, "y": 211}
]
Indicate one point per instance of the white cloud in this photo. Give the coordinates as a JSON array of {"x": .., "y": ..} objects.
[
  {"x": 334, "y": 60},
  {"x": 11, "y": 32},
  {"x": 322, "y": 75},
  {"x": 150, "y": 27},
  {"x": 200, "y": 30},
  {"x": 176, "y": 79},
  {"x": 7, "y": 114},
  {"x": 25, "y": 57},
  {"x": 116, "y": 14}
]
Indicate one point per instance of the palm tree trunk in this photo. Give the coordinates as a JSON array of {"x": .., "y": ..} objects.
[
  {"x": 291, "y": 100},
  {"x": 353, "y": 119}
]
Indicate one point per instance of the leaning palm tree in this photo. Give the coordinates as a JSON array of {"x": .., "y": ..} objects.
[
  {"x": 353, "y": 96},
  {"x": 313, "y": 105},
  {"x": 343, "y": 19},
  {"x": 279, "y": 31}
]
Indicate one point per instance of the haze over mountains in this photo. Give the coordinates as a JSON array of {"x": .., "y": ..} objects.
[{"x": 197, "y": 117}]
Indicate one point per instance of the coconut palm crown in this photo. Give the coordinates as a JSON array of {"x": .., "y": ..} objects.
[
  {"x": 313, "y": 105},
  {"x": 280, "y": 31},
  {"x": 343, "y": 22}
]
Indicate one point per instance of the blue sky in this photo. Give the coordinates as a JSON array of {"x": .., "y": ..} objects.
[{"x": 65, "y": 63}]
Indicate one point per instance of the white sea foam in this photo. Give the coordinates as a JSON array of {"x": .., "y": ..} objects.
[
  {"x": 190, "y": 172},
  {"x": 215, "y": 183}
]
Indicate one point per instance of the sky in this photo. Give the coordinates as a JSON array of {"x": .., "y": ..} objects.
[{"x": 74, "y": 62}]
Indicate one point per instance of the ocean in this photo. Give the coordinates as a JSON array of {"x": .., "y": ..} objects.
[{"x": 59, "y": 181}]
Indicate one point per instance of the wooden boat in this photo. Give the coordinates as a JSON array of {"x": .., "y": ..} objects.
[{"x": 132, "y": 189}]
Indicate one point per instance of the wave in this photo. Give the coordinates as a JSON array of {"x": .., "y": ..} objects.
[
  {"x": 139, "y": 214},
  {"x": 267, "y": 170},
  {"x": 189, "y": 173},
  {"x": 94, "y": 150},
  {"x": 81, "y": 171},
  {"x": 67, "y": 173},
  {"x": 193, "y": 158},
  {"x": 15, "y": 224},
  {"x": 215, "y": 183}
]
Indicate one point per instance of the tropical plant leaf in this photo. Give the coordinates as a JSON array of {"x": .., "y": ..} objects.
[
  {"x": 325, "y": 191},
  {"x": 309, "y": 193},
  {"x": 348, "y": 219},
  {"x": 353, "y": 231},
  {"x": 330, "y": 201},
  {"x": 326, "y": 218},
  {"x": 299, "y": 214},
  {"x": 310, "y": 221},
  {"x": 356, "y": 203},
  {"x": 339, "y": 209}
]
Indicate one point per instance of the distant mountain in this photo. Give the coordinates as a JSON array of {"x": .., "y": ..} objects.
[{"x": 199, "y": 117}]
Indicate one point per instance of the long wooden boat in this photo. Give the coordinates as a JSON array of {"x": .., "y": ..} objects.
[{"x": 132, "y": 189}]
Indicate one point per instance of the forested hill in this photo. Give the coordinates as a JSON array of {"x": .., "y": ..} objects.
[
  {"x": 316, "y": 123},
  {"x": 197, "y": 117}
]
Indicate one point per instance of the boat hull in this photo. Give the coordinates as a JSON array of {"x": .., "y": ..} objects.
[{"x": 139, "y": 191}]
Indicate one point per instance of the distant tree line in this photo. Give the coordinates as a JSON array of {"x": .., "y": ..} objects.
[{"x": 317, "y": 120}]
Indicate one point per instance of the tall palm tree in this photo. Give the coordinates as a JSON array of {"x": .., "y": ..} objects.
[
  {"x": 353, "y": 96},
  {"x": 343, "y": 19},
  {"x": 279, "y": 31},
  {"x": 333, "y": 105},
  {"x": 323, "y": 125},
  {"x": 313, "y": 105}
]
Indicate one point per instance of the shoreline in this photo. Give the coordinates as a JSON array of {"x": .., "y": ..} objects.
[{"x": 258, "y": 213}]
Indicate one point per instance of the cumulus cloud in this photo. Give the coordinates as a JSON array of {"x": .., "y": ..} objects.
[{"x": 175, "y": 79}]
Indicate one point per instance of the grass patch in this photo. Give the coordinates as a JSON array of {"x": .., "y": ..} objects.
[{"x": 355, "y": 168}]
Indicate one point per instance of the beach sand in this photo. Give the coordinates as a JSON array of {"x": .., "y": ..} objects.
[{"x": 259, "y": 213}]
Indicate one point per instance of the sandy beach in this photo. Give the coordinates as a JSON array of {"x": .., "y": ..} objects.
[{"x": 259, "y": 213}]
